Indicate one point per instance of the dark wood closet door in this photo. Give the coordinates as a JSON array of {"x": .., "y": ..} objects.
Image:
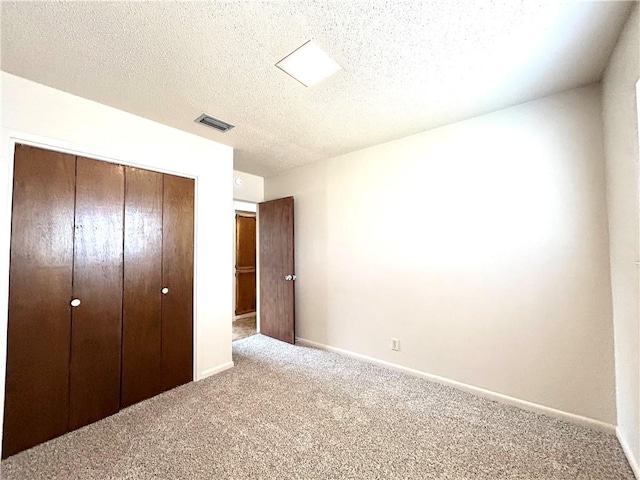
[
  {"x": 245, "y": 264},
  {"x": 38, "y": 338},
  {"x": 97, "y": 282},
  {"x": 277, "y": 269},
  {"x": 177, "y": 272},
  {"x": 142, "y": 327}
]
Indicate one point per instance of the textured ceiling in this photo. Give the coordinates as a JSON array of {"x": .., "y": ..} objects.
[{"x": 407, "y": 66}]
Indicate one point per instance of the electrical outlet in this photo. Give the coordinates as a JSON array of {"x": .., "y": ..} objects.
[{"x": 395, "y": 344}]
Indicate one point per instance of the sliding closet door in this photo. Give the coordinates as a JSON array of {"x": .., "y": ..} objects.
[
  {"x": 97, "y": 282},
  {"x": 177, "y": 273},
  {"x": 142, "y": 334},
  {"x": 38, "y": 337}
]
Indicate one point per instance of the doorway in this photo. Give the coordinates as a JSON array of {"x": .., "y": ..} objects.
[{"x": 245, "y": 292}]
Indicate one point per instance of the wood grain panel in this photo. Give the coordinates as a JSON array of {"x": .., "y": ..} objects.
[
  {"x": 177, "y": 304},
  {"x": 38, "y": 338},
  {"x": 277, "y": 307},
  {"x": 245, "y": 264},
  {"x": 96, "y": 332},
  {"x": 245, "y": 242},
  {"x": 142, "y": 325},
  {"x": 245, "y": 291}
]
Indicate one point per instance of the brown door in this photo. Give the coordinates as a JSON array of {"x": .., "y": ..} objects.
[
  {"x": 277, "y": 273},
  {"x": 89, "y": 234},
  {"x": 96, "y": 325},
  {"x": 245, "y": 264},
  {"x": 177, "y": 282},
  {"x": 142, "y": 325},
  {"x": 38, "y": 337}
]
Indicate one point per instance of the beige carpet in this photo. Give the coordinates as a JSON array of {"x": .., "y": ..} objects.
[
  {"x": 287, "y": 412},
  {"x": 244, "y": 327}
]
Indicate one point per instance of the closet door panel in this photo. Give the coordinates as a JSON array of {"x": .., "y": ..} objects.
[
  {"x": 177, "y": 303},
  {"x": 97, "y": 282},
  {"x": 142, "y": 334},
  {"x": 37, "y": 381}
]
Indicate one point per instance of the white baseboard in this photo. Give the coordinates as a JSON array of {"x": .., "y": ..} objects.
[
  {"x": 481, "y": 392},
  {"x": 212, "y": 371},
  {"x": 628, "y": 453},
  {"x": 244, "y": 315}
]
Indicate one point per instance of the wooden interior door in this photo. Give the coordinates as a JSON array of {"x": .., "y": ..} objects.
[
  {"x": 96, "y": 325},
  {"x": 142, "y": 314},
  {"x": 277, "y": 272},
  {"x": 38, "y": 337},
  {"x": 245, "y": 264},
  {"x": 177, "y": 281}
]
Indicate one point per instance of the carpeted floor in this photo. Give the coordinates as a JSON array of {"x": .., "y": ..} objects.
[
  {"x": 244, "y": 327},
  {"x": 288, "y": 412}
]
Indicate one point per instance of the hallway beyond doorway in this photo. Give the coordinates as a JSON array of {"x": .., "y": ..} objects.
[{"x": 244, "y": 327}]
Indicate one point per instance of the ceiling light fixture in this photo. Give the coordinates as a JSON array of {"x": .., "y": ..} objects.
[{"x": 308, "y": 64}]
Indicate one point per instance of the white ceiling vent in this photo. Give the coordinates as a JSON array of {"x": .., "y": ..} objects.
[{"x": 212, "y": 122}]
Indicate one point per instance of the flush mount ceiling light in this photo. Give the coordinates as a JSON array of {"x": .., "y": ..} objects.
[{"x": 308, "y": 64}]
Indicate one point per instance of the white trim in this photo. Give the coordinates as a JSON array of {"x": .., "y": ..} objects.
[
  {"x": 244, "y": 206},
  {"x": 212, "y": 371},
  {"x": 245, "y": 315},
  {"x": 628, "y": 453},
  {"x": 481, "y": 392}
]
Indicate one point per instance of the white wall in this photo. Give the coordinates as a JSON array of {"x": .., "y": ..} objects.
[
  {"x": 43, "y": 116},
  {"x": 245, "y": 206},
  {"x": 498, "y": 279},
  {"x": 251, "y": 189},
  {"x": 621, "y": 149}
]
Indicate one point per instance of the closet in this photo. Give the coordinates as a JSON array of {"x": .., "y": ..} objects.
[{"x": 100, "y": 292}]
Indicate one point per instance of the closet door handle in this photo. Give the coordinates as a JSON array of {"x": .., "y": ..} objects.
[
  {"x": 75, "y": 302},
  {"x": 165, "y": 290}
]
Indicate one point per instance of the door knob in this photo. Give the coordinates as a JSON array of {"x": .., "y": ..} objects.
[
  {"x": 75, "y": 302},
  {"x": 294, "y": 277},
  {"x": 288, "y": 278},
  {"x": 165, "y": 290}
]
